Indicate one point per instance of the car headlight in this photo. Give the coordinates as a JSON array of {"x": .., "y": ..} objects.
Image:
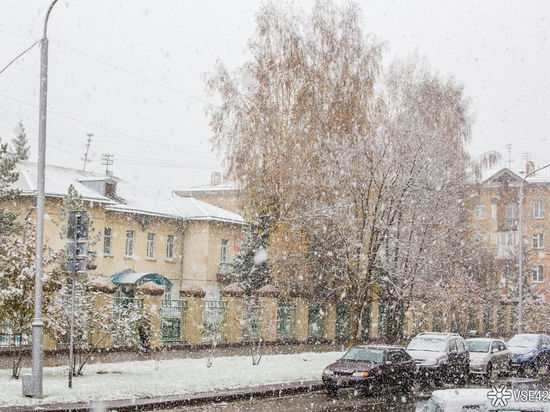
[
  {"x": 357, "y": 374},
  {"x": 328, "y": 372},
  {"x": 527, "y": 355}
]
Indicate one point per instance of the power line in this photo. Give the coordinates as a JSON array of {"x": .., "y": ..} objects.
[
  {"x": 18, "y": 56},
  {"x": 139, "y": 76},
  {"x": 130, "y": 136}
]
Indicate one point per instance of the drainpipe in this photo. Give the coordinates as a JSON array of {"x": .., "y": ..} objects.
[{"x": 182, "y": 241}]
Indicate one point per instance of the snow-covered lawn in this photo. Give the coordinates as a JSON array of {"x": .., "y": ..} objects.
[{"x": 166, "y": 377}]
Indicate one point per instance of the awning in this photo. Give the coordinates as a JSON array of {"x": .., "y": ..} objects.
[{"x": 129, "y": 277}]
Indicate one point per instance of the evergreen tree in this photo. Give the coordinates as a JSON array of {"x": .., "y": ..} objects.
[
  {"x": 8, "y": 176},
  {"x": 21, "y": 144},
  {"x": 249, "y": 266}
]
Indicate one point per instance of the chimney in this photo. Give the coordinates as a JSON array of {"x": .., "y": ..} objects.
[
  {"x": 529, "y": 167},
  {"x": 215, "y": 178}
]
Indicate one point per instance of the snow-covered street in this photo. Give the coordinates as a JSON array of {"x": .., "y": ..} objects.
[{"x": 142, "y": 379}]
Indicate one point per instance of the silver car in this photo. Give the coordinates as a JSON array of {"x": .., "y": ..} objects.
[{"x": 488, "y": 356}]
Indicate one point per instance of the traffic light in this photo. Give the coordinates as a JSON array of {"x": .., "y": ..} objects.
[{"x": 77, "y": 225}]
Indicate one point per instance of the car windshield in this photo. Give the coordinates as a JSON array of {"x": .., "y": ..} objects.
[
  {"x": 364, "y": 355},
  {"x": 524, "y": 341},
  {"x": 431, "y": 344},
  {"x": 478, "y": 345}
]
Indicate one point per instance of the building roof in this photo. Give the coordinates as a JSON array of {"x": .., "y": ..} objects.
[
  {"x": 130, "y": 196},
  {"x": 505, "y": 175}
]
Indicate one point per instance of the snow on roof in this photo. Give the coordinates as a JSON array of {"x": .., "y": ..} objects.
[
  {"x": 131, "y": 197},
  {"x": 57, "y": 181}
]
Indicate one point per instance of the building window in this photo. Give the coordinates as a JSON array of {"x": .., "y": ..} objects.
[
  {"x": 151, "y": 245},
  {"x": 507, "y": 239},
  {"x": 538, "y": 274},
  {"x": 170, "y": 247},
  {"x": 130, "y": 243},
  {"x": 511, "y": 214},
  {"x": 479, "y": 212},
  {"x": 224, "y": 248},
  {"x": 107, "y": 237},
  {"x": 538, "y": 210},
  {"x": 538, "y": 241}
]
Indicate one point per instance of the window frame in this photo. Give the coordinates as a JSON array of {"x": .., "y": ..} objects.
[
  {"x": 538, "y": 214},
  {"x": 108, "y": 246},
  {"x": 130, "y": 243},
  {"x": 511, "y": 218},
  {"x": 170, "y": 247},
  {"x": 538, "y": 241},
  {"x": 151, "y": 244},
  {"x": 537, "y": 274},
  {"x": 224, "y": 250},
  {"x": 480, "y": 211}
]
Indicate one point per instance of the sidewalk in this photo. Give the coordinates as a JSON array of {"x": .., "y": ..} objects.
[
  {"x": 181, "y": 381},
  {"x": 173, "y": 401}
]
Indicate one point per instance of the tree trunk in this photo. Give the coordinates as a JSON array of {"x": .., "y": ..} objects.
[{"x": 354, "y": 323}]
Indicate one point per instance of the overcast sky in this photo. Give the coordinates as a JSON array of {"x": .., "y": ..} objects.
[{"x": 131, "y": 73}]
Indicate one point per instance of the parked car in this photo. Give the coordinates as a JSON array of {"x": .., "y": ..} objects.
[
  {"x": 458, "y": 400},
  {"x": 440, "y": 357},
  {"x": 371, "y": 368},
  {"x": 488, "y": 356},
  {"x": 529, "y": 351}
]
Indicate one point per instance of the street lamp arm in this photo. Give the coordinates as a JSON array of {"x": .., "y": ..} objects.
[
  {"x": 47, "y": 17},
  {"x": 534, "y": 171}
]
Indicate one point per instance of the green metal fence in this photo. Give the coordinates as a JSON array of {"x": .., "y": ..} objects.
[
  {"x": 214, "y": 320},
  {"x": 342, "y": 322},
  {"x": 315, "y": 321},
  {"x": 286, "y": 320},
  {"x": 125, "y": 302},
  {"x": 173, "y": 320},
  {"x": 252, "y": 320},
  {"x": 8, "y": 339}
]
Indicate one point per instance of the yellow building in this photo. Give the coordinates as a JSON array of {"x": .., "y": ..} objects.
[
  {"x": 495, "y": 219},
  {"x": 183, "y": 240}
]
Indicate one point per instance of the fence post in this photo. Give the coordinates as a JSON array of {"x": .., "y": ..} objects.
[
  {"x": 103, "y": 290},
  {"x": 329, "y": 326},
  {"x": 194, "y": 296},
  {"x": 152, "y": 304},
  {"x": 302, "y": 314},
  {"x": 233, "y": 294},
  {"x": 268, "y": 298}
]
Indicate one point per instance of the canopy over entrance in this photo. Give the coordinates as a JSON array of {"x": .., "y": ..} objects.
[{"x": 128, "y": 277}]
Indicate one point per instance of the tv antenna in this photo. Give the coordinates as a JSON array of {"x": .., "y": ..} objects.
[
  {"x": 88, "y": 142},
  {"x": 107, "y": 160}
]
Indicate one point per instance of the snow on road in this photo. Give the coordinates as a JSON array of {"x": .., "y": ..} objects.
[{"x": 149, "y": 378}]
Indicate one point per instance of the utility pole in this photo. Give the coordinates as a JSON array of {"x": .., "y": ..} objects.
[
  {"x": 107, "y": 160},
  {"x": 90, "y": 135},
  {"x": 32, "y": 385},
  {"x": 509, "y": 161}
]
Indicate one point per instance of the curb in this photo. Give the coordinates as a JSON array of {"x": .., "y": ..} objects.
[{"x": 169, "y": 401}]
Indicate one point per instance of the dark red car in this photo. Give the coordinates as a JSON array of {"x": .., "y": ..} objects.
[{"x": 371, "y": 368}]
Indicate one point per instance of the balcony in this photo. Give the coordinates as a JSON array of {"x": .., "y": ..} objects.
[{"x": 223, "y": 273}]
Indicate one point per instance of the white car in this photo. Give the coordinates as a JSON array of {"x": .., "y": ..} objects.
[{"x": 488, "y": 356}]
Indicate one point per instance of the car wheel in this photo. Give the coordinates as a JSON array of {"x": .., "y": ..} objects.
[{"x": 332, "y": 391}]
